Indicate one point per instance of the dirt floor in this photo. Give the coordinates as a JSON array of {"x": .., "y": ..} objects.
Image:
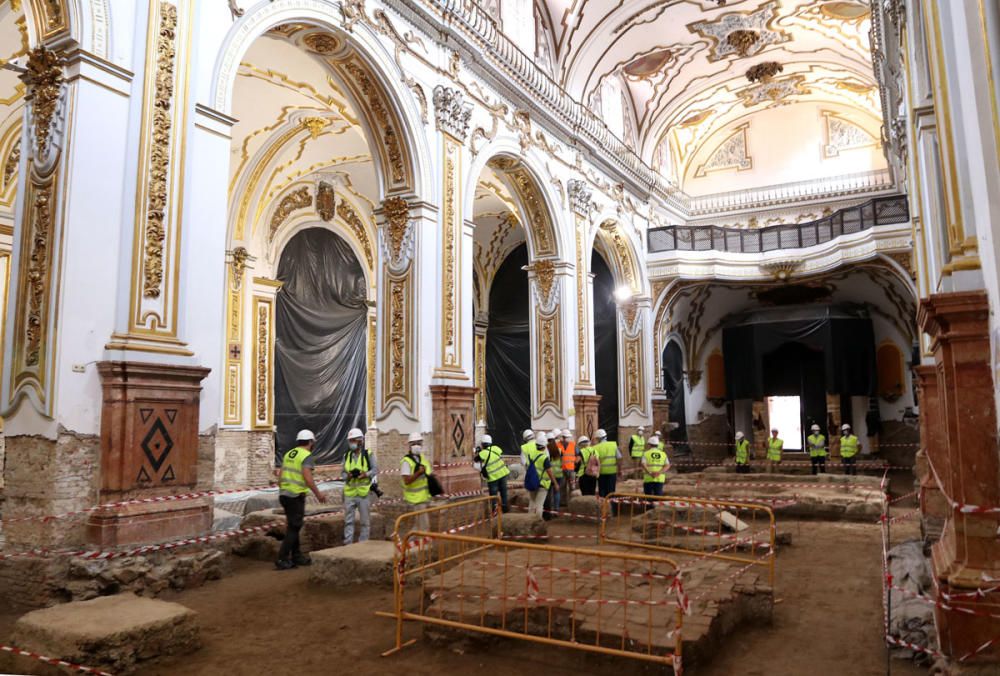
[{"x": 827, "y": 621}]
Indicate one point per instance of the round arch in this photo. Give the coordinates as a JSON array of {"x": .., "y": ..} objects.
[
  {"x": 619, "y": 251},
  {"x": 307, "y": 221},
  {"x": 392, "y": 127},
  {"x": 86, "y": 22}
]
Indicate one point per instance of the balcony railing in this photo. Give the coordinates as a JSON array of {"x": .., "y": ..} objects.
[
  {"x": 838, "y": 186},
  {"x": 879, "y": 211}
]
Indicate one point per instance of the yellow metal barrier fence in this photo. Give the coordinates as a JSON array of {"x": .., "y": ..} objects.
[
  {"x": 480, "y": 516},
  {"x": 629, "y": 605},
  {"x": 692, "y": 526}
]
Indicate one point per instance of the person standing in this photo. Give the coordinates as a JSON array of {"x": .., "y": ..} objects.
[
  {"x": 539, "y": 457},
  {"x": 554, "y": 497},
  {"x": 742, "y": 454},
  {"x": 637, "y": 447},
  {"x": 358, "y": 474},
  {"x": 567, "y": 448},
  {"x": 849, "y": 449},
  {"x": 295, "y": 480},
  {"x": 414, "y": 469},
  {"x": 588, "y": 483},
  {"x": 654, "y": 466},
  {"x": 817, "y": 450},
  {"x": 527, "y": 447},
  {"x": 609, "y": 455},
  {"x": 490, "y": 463},
  {"x": 775, "y": 446}
]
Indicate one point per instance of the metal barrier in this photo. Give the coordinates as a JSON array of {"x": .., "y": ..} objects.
[
  {"x": 480, "y": 516},
  {"x": 691, "y": 526},
  {"x": 614, "y": 603}
]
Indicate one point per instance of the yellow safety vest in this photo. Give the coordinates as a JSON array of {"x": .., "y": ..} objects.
[
  {"x": 742, "y": 452},
  {"x": 774, "y": 447},
  {"x": 537, "y": 458},
  {"x": 848, "y": 446},
  {"x": 291, "y": 480},
  {"x": 656, "y": 461},
  {"x": 817, "y": 445},
  {"x": 528, "y": 447},
  {"x": 607, "y": 451},
  {"x": 638, "y": 446},
  {"x": 416, "y": 492},
  {"x": 356, "y": 488},
  {"x": 557, "y": 470},
  {"x": 492, "y": 459}
]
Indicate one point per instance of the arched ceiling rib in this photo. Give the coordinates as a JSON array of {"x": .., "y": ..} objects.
[{"x": 678, "y": 62}]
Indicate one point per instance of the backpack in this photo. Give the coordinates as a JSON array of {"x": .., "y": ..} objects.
[
  {"x": 593, "y": 465},
  {"x": 532, "y": 482}
]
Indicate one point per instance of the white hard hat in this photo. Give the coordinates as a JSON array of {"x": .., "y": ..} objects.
[
  {"x": 528, "y": 435},
  {"x": 414, "y": 437},
  {"x": 567, "y": 434},
  {"x": 815, "y": 428},
  {"x": 305, "y": 435},
  {"x": 583, "y": 440},
  {"x": 555, "y": 434},
  {"x": 487, "y": 439},
  {"x": 642, "y": 428},
  {"x": 541, "y": 439},
  {"x": 774, "y": 429},
  {"x": 654, "y": 440},
  {"x": 601, "y": 434},
  {"x": 740, "y": 435},
  {"x": 355, "y": 433},
  {"x": 845, "y": 426}
]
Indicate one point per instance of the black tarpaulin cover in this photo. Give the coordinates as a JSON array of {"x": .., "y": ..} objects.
[
  {"x": 320, "y": 336},
  {"x": 605, "y": 345},
  {"x": 508, "y": 354},
  {"x": 843, "y": 333}
]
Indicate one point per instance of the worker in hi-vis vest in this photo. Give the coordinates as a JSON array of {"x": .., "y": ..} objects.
[
  {"x": 774, "y": 448},
  {"x": 539, "y": 457},
  {"x": 489, "y": 462},
  {"x": 849, "y": 449},
  {"x": 587, "y": 481},
  {"x": 567, "y": 451},
  {"x": 414, "y": 469},
  {"x": 742, "y": 454},
  {"x": 817, "y": 450},
  {"x": 295, "y": 480},
  {"x": 654, "y": 467},
  {"x": 528, "y": 437},
  {"x": 609, "y": 455},
  {"x": 358, "y": 475},
  {"x": 637, "y": 448}
]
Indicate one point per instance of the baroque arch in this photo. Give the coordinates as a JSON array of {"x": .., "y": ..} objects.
[{"x": 355, "y": 60}]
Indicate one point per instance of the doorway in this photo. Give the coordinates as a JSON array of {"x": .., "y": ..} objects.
[{"x": 785, "y": 413}]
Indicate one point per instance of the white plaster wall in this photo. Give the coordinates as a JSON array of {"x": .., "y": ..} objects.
[{"x": 798, "y": 157}]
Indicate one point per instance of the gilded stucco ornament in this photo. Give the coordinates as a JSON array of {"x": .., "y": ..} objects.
[
  {"x": 579, "y": 197},
  {"x": 45, "y": 80},
  {"x": 782, "y": 270},
  {"x": 397, "y": 233},
  {"x": 240, "y": 257},
  {"x": 451, "y": 112},
  {"x": 546, "y": 288},
  {"x": 326, "y": 201},
  {"x": 764, "y": 72},
  {"x": 742, "y": 40},
  {"x": 297, "y": 199}
]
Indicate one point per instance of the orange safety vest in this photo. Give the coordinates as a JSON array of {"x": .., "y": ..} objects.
[{"x": 568, "y": 454}]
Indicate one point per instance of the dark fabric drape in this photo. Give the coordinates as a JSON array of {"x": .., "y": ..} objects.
[
  {"x": 605, "y": 345},
  {"x": 842, "y": 334},
  {"x": 508, "y": 354},
  {"x": 320, "y": 337},
  {"x": 673, "y": 386}
]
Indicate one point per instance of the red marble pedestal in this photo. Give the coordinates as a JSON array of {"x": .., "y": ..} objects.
[
  {"x": 961, "y": 451},
  {"x": 454, "y": 428},
  {"x": 149, "y": 448}
]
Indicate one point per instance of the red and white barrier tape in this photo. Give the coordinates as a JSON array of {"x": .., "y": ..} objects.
[
  {"x": 958, "y": 506},
  {"x": 893, "y": 640},
  {"x": 14, "y": 650},
  {"x": 548, "y": 537},
  {"x": 902, "y": 517},
  {"x": 711, "y": 533},
  {"x": 576, "y": 571},
  {"x": 940, "y": 604},
  {"x": 764, "y": 484}
]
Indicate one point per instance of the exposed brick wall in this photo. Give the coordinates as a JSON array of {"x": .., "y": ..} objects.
[
  {"x": 45, "y": 476},
  {"x": 708, "y": 437},
  {"x": 390, "y": 449},
  {"x": 243, "y": 458}
]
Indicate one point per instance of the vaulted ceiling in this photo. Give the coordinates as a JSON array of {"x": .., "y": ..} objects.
[{"x": 682, "y": 64}]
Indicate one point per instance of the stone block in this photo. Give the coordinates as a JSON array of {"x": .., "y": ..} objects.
[
  {"x": 585, "y": 504},
  {"x": 525, "y": 528},
  {"x": 111, "y": 632},
  {"x": 369, "y": 563}
]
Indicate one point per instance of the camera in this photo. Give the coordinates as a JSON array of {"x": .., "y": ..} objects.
[
  {"x": 377, "y": 491},
  {"x": 355, "y": 473}
]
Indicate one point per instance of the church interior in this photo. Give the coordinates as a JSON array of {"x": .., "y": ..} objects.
[{"x": 419, "y": 265}]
